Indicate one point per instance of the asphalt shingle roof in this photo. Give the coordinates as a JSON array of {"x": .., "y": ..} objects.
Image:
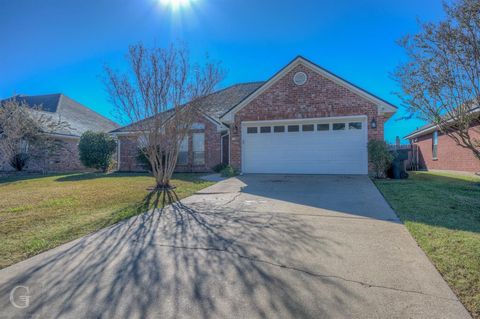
[
  {"x": 79, "y": 117},
  {"x": 425, "y": 129},
  {"x": 215, "y": 104}
]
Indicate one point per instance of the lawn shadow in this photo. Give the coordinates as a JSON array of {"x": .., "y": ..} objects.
[
  {"x": 187, "y": 177},
  {"x": 183, "y": 260},
  {"x": 96, "y": 175},
  {"x": 11, "y": 178}
]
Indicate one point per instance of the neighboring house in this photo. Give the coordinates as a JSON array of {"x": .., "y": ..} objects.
[
  {"x": 78, "y": 118},
  {"x": 437, "y": 151},
  {"x": 303, "y": 120}
]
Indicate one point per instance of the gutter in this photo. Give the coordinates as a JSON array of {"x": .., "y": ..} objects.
[{"x": 433, "y": 127}]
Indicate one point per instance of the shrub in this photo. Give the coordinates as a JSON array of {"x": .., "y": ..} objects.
[
  {"x": 380, "y": 157},
  {"x": 96, "y": 150},
  {"x": 219, "y": 167},
  {"x": 143, "y": 160},
  {"x": 112, "y": 165},
  {"x": 228, "y": 171},
  {"x": 18, "y": 161}
]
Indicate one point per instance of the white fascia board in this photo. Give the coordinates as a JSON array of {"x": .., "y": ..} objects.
[
  {"x": 434, "y": 127},
  {"x": 422, "y": 132}
]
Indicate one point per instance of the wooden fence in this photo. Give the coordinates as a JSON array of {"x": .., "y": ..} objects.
[{"x": 412, "y": 162}]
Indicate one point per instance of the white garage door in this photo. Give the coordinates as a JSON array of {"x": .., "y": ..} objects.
[{"x": 335, "y": 146}]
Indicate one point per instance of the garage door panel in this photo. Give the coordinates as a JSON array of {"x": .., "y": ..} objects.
[{"x": 317, "y": 152}]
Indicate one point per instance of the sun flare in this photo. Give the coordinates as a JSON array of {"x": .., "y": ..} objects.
[{"x": 176, "y": 4}]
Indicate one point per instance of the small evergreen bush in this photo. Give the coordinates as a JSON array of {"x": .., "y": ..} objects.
[
  {"x": 380, "y": 157},
  {"x": 228, "y": 171},
  {"x": 96, "y": 150}
]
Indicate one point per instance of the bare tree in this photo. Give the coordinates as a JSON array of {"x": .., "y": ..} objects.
[
  {"x": 159, "y": 94},
  {"x": 27, "y": 132},
  {"x": 441, "y": 79}
]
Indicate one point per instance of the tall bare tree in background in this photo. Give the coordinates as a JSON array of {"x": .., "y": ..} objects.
[
  {"x": 26, "y": 132},
  {"x": 441, "y": 79},
  {"x": 153, "y": 94}
]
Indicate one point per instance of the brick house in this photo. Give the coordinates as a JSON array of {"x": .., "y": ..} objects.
[
  {"x": 437, "y": 151},
  {"x": 79, "y": 118},
  {"x": 303, "y": 120}
]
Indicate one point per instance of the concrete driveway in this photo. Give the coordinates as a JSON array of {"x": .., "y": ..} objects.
[{"x": 257, "y": 246}]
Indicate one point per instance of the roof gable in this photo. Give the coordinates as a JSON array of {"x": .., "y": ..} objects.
[{"x": 382, "y": 105}]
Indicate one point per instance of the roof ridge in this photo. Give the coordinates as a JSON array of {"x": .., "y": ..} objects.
[
  {"x": 232, "y": 86},
  {"x": 59, "y": 104},
  {"x": 36, "y": 95}
]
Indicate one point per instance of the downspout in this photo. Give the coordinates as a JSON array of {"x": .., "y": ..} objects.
[{"x": 118, "y": 154}]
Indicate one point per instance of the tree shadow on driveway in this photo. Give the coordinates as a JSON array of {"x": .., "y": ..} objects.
[{"x": 185, "y": 260}]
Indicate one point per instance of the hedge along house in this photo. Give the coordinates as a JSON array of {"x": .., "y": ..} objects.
[
  {"x": 303, "y": 120},
  {"x": 78, "y": 119}
]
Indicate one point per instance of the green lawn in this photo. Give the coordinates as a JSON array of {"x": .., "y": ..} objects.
[
  {"x": 39, "y": 213},
  {"x": 442, "y": 212}
]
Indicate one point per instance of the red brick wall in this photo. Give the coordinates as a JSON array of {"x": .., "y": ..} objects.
[
  {"x": 450, "y": 155},
  {"x": 128, "y": 155},
  {"x": 319, "y": 97},
  {"x": 64, "y": 158},
  {"x": 129, "y": 150}
]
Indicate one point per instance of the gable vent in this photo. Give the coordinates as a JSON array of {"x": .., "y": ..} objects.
[{"x": 300, "y": 78}]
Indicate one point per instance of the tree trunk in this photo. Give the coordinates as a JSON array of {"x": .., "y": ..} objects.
[{"x": 163, "y": 183}]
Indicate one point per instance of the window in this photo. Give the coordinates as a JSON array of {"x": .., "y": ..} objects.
[
  {"x": 183, "y": 152},
  {"x": 198, "y": 148},
  {"x": 323, "y": 127},
  {"x": 279, "y": 129},
  {"x": 308, "y": 128},
  {"x": 338, "y": 126},
  {"x": 355, "y": 125},
  {"x": 198, "y": 126},
  {"x": 435, "y": 145},
  {"x": 294, "y": 128},
  {"x": 252, "y": 130},
  {"x": 142, "y": 141},
  {"x": 265, "y": 129},
  {"x": 24, "y": 146}
]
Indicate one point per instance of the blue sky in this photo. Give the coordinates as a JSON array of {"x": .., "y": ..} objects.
[{"x": 53, "y": 46}]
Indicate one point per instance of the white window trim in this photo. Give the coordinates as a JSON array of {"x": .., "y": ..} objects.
[
  {"x": 435, "y": 144},
  {"x": 119, "y": 149}
]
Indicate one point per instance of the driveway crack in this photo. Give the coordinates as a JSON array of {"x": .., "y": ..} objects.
[{"x": 307, "y": 272}]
